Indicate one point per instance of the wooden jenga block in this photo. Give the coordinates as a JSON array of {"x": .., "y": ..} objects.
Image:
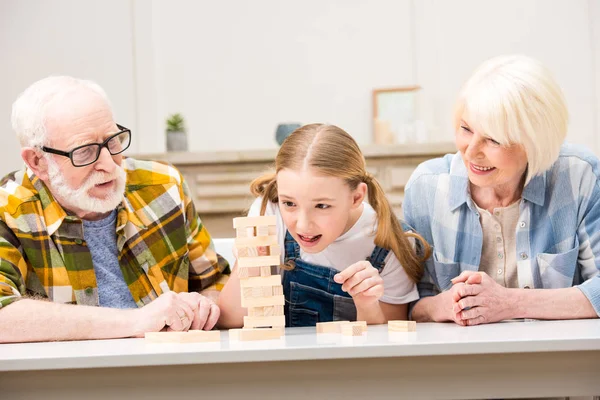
[
  {"x": 267, "y": 291},
  {"x": 277, "y": 290},
  {"x": 265, "y": 220},
  {"x": 263, "y": 301},
  {"x": 262, "y": 230},
  {"x": 273, "y": 280},
  {"x": 195, "y": 336},
  {"x": 402, "y": 326},
  {"x": 336, "y": 326},
  {"x": 274, "y": 250},
  {"x": 261, "y": 261},
  {"x": 248, "y": 272},
  {"x": 259, "y": 322},
  {"x": 245, "y": 232},
  {"x": 255, "y": 241},
  {"x": 242, "y": 252},
  {"x": 246, "y": 334},
  {"x": 273, "y": 230},
  {"x": 353, "y": 328},
  {"x": 256, "y": 311},
  {"x": 273, "y": 311},
  {"x": 265, "y": 271},
  {"x": 330, "y": 327}
]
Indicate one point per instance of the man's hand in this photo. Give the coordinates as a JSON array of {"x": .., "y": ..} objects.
[
  {"x": 361, "y": 281},
  {"x": 478, "y": 299},
  {"x": 206, "y": 312},
  {"x": 169, "y": 311}
]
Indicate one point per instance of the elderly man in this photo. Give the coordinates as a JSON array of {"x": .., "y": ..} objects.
[{"x": 81, "y": 224}]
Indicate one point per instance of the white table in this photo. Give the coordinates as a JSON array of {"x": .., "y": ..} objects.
[{"x": 510, "y": 359}]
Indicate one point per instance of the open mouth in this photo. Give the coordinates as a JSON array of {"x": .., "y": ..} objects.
[
  {"x": 480, "y": 169},
  {"x": 104, "y": 184},
  {"x": 309, "y": 240}
]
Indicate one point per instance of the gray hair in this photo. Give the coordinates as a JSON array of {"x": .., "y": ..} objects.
[
  {"x": 29, "y": 110},
  {"x": 515, "y": 99}
]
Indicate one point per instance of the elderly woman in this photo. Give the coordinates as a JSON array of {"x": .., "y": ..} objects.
[{"x": 514, "y": 216}]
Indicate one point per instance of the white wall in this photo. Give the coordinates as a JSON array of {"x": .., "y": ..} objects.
[
  {"x": 237, "y": 68},
  {"x": 88, "y": 39}
]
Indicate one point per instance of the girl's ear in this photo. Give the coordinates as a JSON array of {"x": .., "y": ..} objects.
[{"x": 359, "y": 194}]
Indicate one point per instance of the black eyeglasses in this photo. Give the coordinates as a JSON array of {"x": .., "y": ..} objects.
[{"x": 89, "y": 153}]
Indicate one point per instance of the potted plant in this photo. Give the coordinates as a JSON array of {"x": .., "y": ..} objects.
[{"x": 176, "y": 134}]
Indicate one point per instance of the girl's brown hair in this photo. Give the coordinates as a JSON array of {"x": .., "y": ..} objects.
[{"x": 333, "y": 152}]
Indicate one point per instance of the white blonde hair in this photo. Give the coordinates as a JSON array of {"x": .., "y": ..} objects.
[
  {"x": 29, "y": 110},
  {"x": 516, "y": 100}
]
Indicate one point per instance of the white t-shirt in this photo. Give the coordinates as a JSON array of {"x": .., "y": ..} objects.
[{"x": 355, "y": 245}]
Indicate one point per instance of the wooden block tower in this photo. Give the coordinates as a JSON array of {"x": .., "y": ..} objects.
[{"x": 261, "y": 292}]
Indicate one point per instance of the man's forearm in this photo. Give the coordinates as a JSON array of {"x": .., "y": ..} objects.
[
  {"x": 568, "y": 303},
  {"x": 31, "y": 320}
]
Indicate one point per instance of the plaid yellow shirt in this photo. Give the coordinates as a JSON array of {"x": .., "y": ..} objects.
[{"x": 161, "y": 240}]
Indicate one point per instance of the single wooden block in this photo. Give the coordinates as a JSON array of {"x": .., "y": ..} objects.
[
  {"x": 255, "y": 241},
  {"x": 353, "y": 329},
  {"x": 330, "y": 327},
  {"x": 195, "y": 336},
  {"x": 277, "y": 290},
  {"x": 273, "y": 280},
  {"x": 242, "y": 252},
  {"x": 256, "y": 311},
  {"x": 259, "y": 322},
  {"x": 265, "y": 271},
  {"x": 246, "y": 334},
  {"x": 402, "y": 326},
  {"x": 263, "y": 301},
  {"x": 266, "y": 291},
  {"x": 273, "y": 230},
  {"x": 261, "y": 261},
  {"x": 273, "y": 311},
  {"x": 265, "y": 220},
  {"x": 245, "y": 232},
  {"x": 248, "y": 272},
  {"x": 275, "y": 250},
  {"x": 262, "y": 230}
]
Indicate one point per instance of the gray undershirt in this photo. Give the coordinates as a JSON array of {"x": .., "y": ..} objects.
[{"x": 101, "y": 239}]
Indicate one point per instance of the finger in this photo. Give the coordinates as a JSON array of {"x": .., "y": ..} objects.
[
  {"x": 465, "y": 303},
  {"x": 213, "y": 317},
  {"x": 463, "y": 276},
  {"x": 357, "y": 278},
  {"x": 262, "y": 250},
  {"x": 471, "y": 313},
  {"x": 186, "y": 315},
  {"x": 467, "y": 290},
  {"x": 202, "y": 312},
  {"x": 475, "y": 279},
  {"x": 476, "y": 321},
  {"x": 342, "y": 276},
  {"x": 374, "y": 291},
  {"x": 364, "y": 285},
  {"x": 456, "y": 295}
]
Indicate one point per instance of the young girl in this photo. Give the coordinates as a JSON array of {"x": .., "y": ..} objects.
[{"x": 344, "y": 259}]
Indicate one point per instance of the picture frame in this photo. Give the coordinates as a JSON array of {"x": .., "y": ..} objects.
[{"x": 395, "y": 115}]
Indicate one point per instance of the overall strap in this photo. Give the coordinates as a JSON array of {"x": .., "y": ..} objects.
[
  {"x": 292, "y": 248},
  {"x": 377, "y": 257}
]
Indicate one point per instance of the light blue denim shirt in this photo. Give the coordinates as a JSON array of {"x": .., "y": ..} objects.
[{"x": 557, "y": 233}]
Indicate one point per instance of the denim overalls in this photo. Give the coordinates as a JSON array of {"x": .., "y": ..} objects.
[{"x": 311, "y": 294}]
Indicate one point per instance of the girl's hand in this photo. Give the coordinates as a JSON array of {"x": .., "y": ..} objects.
[{"x": 362, "y": 281}]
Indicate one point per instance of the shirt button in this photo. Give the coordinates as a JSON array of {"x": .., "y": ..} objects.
[
  {"x": 500, "y": 255},
  {"x": 522, "y": 224},
  {"x": 497, "y": 227},
  {"x": 523, "y": 256},
  {"x": 496, "y": 213},
  {"x": 78, "y": 241},
  {"x": 498, "y": 239},
  {"x": 89, "y": 291},
  {"x": 499, "y": 271}
]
